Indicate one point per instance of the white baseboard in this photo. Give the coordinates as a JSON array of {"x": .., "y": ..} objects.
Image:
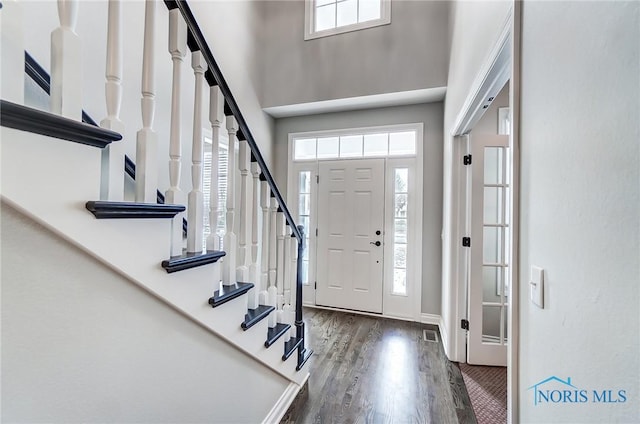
[
  {"x": 282, "y": 405},
  {"x": 443, "y": 336},
  {"x": 432, "y": 319}
]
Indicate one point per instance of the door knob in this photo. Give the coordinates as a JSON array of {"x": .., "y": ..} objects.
[{"x": 377, "y": 243}]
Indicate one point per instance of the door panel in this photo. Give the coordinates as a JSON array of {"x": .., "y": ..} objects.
[
  {"x": 350, "y": 211},
  {"x": 488, "y": 276}
]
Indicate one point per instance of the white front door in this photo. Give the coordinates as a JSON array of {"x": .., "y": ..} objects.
[
  {"x": 488, "y": 267},
  {"x": 350, "y": 234}
]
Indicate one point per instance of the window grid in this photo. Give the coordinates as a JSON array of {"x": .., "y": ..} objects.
[
  {"x": 388, "y": 144},
  {"x": 330, "y": 14},
  {"x": 400, "y": 217}
]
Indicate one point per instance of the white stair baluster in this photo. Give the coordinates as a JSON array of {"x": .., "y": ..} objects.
[
  {"x": 173, "y": 195},
  {"x": 112, "y": 180},
  {"x": 281, "y": 230},
  {"x": 254, "y": 268},
  {"x": 273, "y": 237},
  {"x": 66, "y": 63},
  {"x": 12, "y": 60},
  {"x": 288, "y": 270},
  {"x": 195, "y": 208},
  {"x": 264, "y": 239},
  {"x": 230, "y": 239},
  {"x": 290, "y": 298},
  {"x": 216, "y": 117},
  {"x": 244, "y": 162},
  {"x": 146, "y": 138}
]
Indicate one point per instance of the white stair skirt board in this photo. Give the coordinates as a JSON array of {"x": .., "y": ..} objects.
[
  {"x": 54, "y": 194},
  {"x": 280, "y": 408}
]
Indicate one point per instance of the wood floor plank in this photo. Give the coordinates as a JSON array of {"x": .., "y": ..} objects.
[{"x": 374, "y": 370}]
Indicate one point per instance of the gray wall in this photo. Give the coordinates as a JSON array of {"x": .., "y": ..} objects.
[
  {"x": 580, "y": 199},
  {"x": 82, "y": 344},
  {"x": 431, "y": 116},
  {"x": 411, "y": 53}
]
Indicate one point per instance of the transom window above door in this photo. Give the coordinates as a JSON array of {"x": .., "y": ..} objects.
[
  {"x": 381, "y": 144},
  {"x": 329, "y": 17}
]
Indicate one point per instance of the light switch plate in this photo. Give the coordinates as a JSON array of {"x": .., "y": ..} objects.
[{"x": 537, "y": 286}]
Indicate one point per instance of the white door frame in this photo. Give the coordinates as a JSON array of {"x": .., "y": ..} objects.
[
  {"x": 502, "y": 65},
  {"x": 416, "y": 205}
]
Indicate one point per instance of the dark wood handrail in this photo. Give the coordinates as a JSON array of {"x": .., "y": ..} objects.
[{"x": 230, "y": 102}]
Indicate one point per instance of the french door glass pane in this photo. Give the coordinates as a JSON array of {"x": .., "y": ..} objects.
[
  {"x": 493, "y": 282},
  {"x": 493, "y": 165},
  {"x": 493, "y": 205},
  {"x": 492, "y": 245},
  {"x": 491, "y": 324},
  {"x": 323, "y": 2}
]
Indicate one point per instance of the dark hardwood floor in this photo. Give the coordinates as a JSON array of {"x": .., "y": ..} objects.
[{"x": 375, "y": 370}]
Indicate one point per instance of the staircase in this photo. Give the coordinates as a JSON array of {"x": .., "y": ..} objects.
[{"x": 65, "y": 172}]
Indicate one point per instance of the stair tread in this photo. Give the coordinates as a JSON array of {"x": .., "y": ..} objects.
[
  {"x": 273, "y": 334},
  {"x": 191, "y": 260},
  {"x": 227, "y": 293},
  {"x": 120, "y": 210},
  {"x": 290, "y": 347},
  {"x": 25, "y": 118},
  {"x": 254, "y": 316}
]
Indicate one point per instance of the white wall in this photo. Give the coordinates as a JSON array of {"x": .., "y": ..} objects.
[
  {"x": 230, "y": 28},
  {"x": 474, "y": 29},
  {"x": 431, "y": 117},
  {"x": 408, "y": 54},
  {"x": 82, "y": 344},
  {"x": 580, "y": 197}
]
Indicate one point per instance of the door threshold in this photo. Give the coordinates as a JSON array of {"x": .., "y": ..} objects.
[{"x": 353, "y": 311}]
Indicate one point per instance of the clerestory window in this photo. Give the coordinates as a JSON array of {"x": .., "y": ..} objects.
[{"x": 329, "y": 17}]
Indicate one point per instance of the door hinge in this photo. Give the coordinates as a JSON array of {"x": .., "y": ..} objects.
[
  {"x": 464, "y": 324},
  {"x": 316, "y": 232},
  {"x": 466, "y": 160},
  {"x": 466, "y": 241},
  {"x": 317, "y": 179},
  {"x": 315, "y": 285}
]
